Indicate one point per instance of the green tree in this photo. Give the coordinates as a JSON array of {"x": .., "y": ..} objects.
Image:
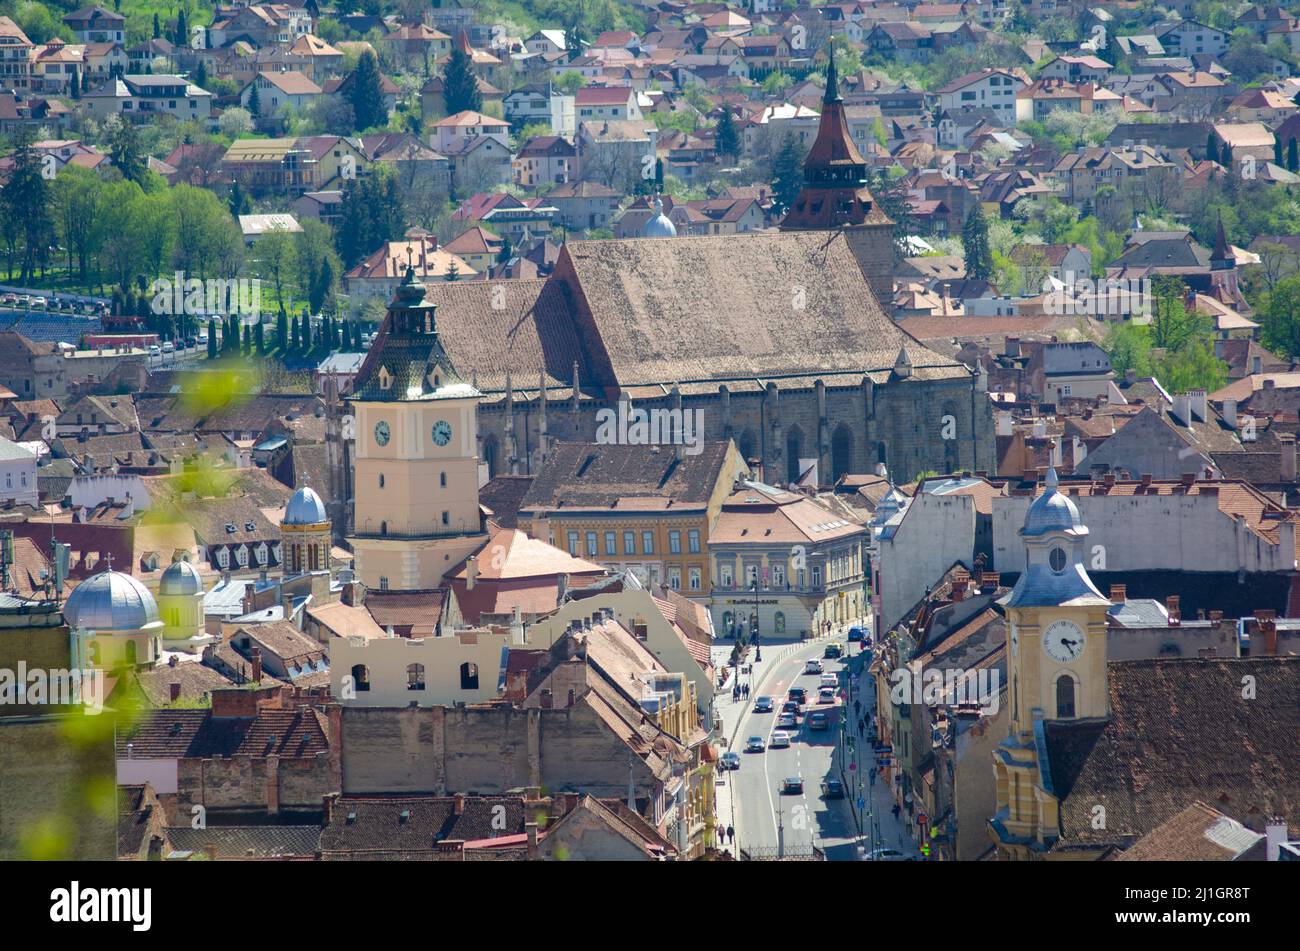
[
  {"x": 282, "y": 332},
  {"x": 212, "y": 338},
  {"x": 725, "y": 137},
  {"x": 182, "y": 38},
  {"x": 1212, "y": 148},
  {"x": 254, "y": 101},
  {"x": 274, "y": 256},
  {"x": 157, "y": 28},
  {"x": 201, "y": 75},
  {"x": 1280, "y": 310},
  {"x": 1172, "y": 327},
  {"x": 25, "y": 200},
  {"x": 1292, "y": 156},
  {"x": 975, "y": 245},
  {"x": 125, "y": 151},
  {"x": 259, "y": 338},
  {"x": 237, "y": 200},
  {"x": 366, "y": 94},
  {"x": 459, "y": 86},
  {"x": 787, "y": 172}
]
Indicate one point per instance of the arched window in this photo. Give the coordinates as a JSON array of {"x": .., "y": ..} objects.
[
  {"x": 1064, "y": 697},
  {"x": 414, "y": 676},
  {"x": 746, "y": 445},
  {"x": 360, "y": 677},
  {"x": 383, "y": 528},
  {"x": 490, "y": 454},
  {"x": 468, "y": 676},
  {"x": 841, "y": 451}
]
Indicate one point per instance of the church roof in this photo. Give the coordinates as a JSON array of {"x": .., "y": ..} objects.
[
  {"x": 647, "y": 300},
  {"x": 1179, "y": 732}
]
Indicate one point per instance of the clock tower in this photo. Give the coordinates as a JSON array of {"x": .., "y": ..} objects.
[
  {"x": 417, "y": 511},
  {"x": 1056, "y": 644}
]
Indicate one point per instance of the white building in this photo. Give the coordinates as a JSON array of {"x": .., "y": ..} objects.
[{"x": 17, "y": 474}]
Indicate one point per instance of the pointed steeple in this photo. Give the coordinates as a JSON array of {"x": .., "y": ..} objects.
[
  {"x": 832, "y": 78},
  {"x": 1222, "y": 256}
]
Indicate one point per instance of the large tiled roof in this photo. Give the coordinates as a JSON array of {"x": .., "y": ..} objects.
[
  {"x": 1180, "y": 731},
  {"x": 585, "y": 475},
  {"x": 1197, "y": 834},
  {"x": 247, "y": 842},
  {"x": 417, "y": 824},
  {"x": 197, "y": 734},
  {"x": 736, "y": 307}
]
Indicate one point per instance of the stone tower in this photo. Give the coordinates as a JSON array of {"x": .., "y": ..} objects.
[{"x": 835, "y": 196}]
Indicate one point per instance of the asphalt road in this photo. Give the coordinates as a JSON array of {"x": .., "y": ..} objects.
[{"x": 804, "y": 819}]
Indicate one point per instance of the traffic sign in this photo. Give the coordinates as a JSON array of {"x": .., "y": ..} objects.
[{"x": 862, "y": 802}]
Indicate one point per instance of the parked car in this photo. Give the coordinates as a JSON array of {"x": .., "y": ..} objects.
[
  {"x": 792, "y": 786},
  {"x": 155, "y": 350},
  {"x": 38, "y": 303},
  {"x": 819, "y": 721},
  {"x": 780, "y": 740},
  {"x": 731, "y": 761},
  {"x": 814, "y": 666},
  {"x": 788, "y": 721},
  {"x": 886, "y": 855},
  {"x": 833, "y": 651},
  {"x": 762, "y": 704},
  {"x": 755, "y": 744},
  {"x": 832, "y": 789},
  {"x": 169, "y": 347},
  {"x": 857, "y": 633}
]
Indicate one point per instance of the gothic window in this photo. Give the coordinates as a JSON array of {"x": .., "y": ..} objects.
[
  {"x": 490, "y": 455},
  {"x": 793, "y": 449},
  {"x": 360, "y": 677},
  {"x": 746, "y": 445},
  {"x": 1064, "y": 697},
  {"x": 468, "y": 676},
  {"x": 841, "y": 451}
]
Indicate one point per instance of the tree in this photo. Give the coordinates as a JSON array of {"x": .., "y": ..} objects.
[
  {"x": 274, "y": 255},
  {"x": 201, "y": 75},
  {"x": 1212, "y": 148},
  {"x": 282, "y": 332},
  {"x": 157, "y": 28},
  {"x": 975, "y": 245},
  {"x": 725, "y": 137},
  {"x": 366, "y": 94},
  {"x": 182, "y": 29},
  {"x": 235, "y": 121},
  {"x": 296, "y": 341},
  {"x": 323, "y": 289},
  {"x": 212, "y": 338},
  {"x": 459, "y": 85},
  {"x": 1172, "y": 327},
  {"x": 1280, "y": 310},
  {"x": 25, "y": 201},
  {"x": 306, "y": 333},
  {"x": 1292, "y": 156},
  {"x": 254, "y": 101},
  {"x": 787, "y": 172},
  {"x": 125, "y": 151},
  {"x": 259, "y": 338}
]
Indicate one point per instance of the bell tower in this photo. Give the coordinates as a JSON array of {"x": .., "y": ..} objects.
[
  {"x": 1056, "y": 663},
  {"x": 416, "y": 467},
  {"x": 835, "y": 196}
]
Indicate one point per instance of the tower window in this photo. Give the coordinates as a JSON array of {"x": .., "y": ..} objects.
[
  {"x": 381, "y": 480},
  {"x": 442, "y": 479},
  {"x": 1056, "y": 559},
  {"x": 468, "y": 676},
  {"x": 414, "y": 676},
  {"x": 1064, "y": 697},
  {"x": 446, "y": 518}
]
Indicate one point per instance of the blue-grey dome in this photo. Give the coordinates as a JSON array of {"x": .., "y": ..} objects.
[
  {"x": 111, "y": 601},
  {"x": 659, "y": 226},
  {"x": 180, "y": 578},
  {"x": 1052, "y": 512},
  {"x": 305, "y": 508}
]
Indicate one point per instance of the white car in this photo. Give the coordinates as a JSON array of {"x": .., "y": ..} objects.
[
  {"x": 813, "y": 666},
  {"x": 830, "y": 680},
  {"x": 169, "y": 347},
  {"x": 779, "y": 741},
  {"x": 886, "y": 855},
  {"x": 38, "y": 302}
]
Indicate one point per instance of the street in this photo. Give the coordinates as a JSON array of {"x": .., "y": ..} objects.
[{"x": 768, "y": 822}]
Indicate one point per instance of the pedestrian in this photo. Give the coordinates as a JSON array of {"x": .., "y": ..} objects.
[
  {"x": 731, "y": 835},
  {"x": 746, "y": 691},
  {"x": 857, "y": 708},
  {"x": 895, "y": 810}
]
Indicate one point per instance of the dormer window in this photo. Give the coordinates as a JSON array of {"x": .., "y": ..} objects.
[
  {"x": 385, "y": 379},
  {"x": 230, "y": 528},
  {"x": 249, "y": 527}
]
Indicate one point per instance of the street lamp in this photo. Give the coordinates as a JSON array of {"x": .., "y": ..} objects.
[{"x": 753, "y": 634}]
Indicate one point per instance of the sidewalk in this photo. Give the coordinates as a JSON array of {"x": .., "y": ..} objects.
[{"x": 891, "y": 833}]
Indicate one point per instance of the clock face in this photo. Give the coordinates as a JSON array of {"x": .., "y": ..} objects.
[
  {"x": 442, "y": 432},
  {"x": 1063, "y": 641},
  {"x": 382, "y": 433}
]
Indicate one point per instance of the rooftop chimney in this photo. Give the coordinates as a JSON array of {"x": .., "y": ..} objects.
[
  {"x": 471, "y": 572},
  {"x": 1119, "y": 593},
  {"x": 1274, "y": 835},
  {"x": 174, "y": 691},
  {"x": 257, "y": 665},
  {"x": 458, "y": 804},
  {"x": 1171, "y": 604},
  {"x": 1287, "y": 446},
  {"x": 1230, "y": 413}
]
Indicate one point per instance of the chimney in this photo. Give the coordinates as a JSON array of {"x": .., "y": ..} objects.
[
  {"x": 1230, "y": 413},
  {"x": 1274, "y": 836},
  {"x": 471, "y": 573},
  {"x": 756, "y": 467},
  {"x": 1268, "y": 630},
  {"x": 458, "y": 804},
  {"x": 1256, "y": 364},
  {"x": 1216, "y": 617},
  {"x": 1189, "y": 479},
  {"x": 1287, "y": 441},
  {"x": 1108, "y": 480},
  {"x": 1197, "y": 399},
  {"x": 1269, "y": 383},
  {"x": 174, "y": 691},
  {"x": 1130, "y": 375},
  {"x": 1146, "y": 480},
  {"x": 1182, "y": 408},
  {"x": 1171, "y": 604},
  {"x": 257, "y": 665},
  {"x": 1119, "y": 593},
  {"x": 1005, "y": 424},
  {"x": 531, "y": 829}
]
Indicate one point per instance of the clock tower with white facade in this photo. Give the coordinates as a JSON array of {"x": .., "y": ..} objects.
[
  {"x": 1056, "y": 642},
  {"x": 417, "y": 510}
]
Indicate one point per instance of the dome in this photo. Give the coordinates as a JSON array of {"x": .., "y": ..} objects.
[
  {"x": 305, "y": 508},
  {"x": 180, "y": 578},
  {"x": 111, "y": 601},
  {"x": 659, "y": 226},
  {"x": 1052, "y": 512}
]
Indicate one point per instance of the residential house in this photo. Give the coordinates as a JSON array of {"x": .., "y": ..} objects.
[
  {"x": 544, "y": 160},
  {"x": 143, "y": 98}
]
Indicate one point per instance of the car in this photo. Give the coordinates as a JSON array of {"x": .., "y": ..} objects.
[
  {"x": 169, "y": 347},
  {"x": 826, "y": 695},
  {"x": 203, "y": 336},
  {"x": 787, "y": 720},
  {"x": 731, "y": 761},
  {"x": 833, "y": 651},
  {"x": 819, "y": 721},
  {"x": 814, "y": 666},
  {"x": 155, "y": 350},
  {"x": 857, "y": 633},
  {"x": 792, "y": 786},
  {"x": 11, "y": 298},
  {"x": 832, "y": 789},
  {"x": 762, "y": 704},
  {"x": 38, "y": 303},
  {"x": 791, "y": 706},
  {"x": 829, "y": 680},
  {"x": 755, "y": 744},
  {"x": 798, "y": 695},
  {"x": 886, "y": 855},
  {"x": 780, "y": 740}
]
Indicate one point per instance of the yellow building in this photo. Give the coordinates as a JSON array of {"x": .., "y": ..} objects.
[
  {"x": 648, "y": 509},
  {"x": 1057, "y": 643},
  {"x": 417, "y": 512}
]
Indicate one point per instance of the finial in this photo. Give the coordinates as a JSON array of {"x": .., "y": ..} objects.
[
  {"x": 832, "y": 77},
  {"x": 1051, "y": 481},
  {"x": 108, "y": 558}
]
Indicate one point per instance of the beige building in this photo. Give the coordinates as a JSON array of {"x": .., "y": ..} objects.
[
  {"x": 464, "y": 667},
  {"x": 417, "y": 511}
]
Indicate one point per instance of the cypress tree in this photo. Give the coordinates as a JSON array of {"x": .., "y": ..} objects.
[
  {"x": 459, "y": 87},
  {"x": 1292, "y": 158},
  {"x": 282, "y": 331},
  {"x": 726, "y": 140},
  {"x": 212, "y": 340},
  {"x": 366, "y": 94},
  {"x": 975, "y": 245},
  {"x": 157, "y": 28},
  {"x": 259, "y": 338},
  {"x": 296, "y": 326},
  {"x": 1212, "y": 148}
]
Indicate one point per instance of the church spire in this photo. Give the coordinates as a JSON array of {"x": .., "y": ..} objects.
[
  {"x": 832, "y": 78},
  {"x": 1221, "y": 251}
]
